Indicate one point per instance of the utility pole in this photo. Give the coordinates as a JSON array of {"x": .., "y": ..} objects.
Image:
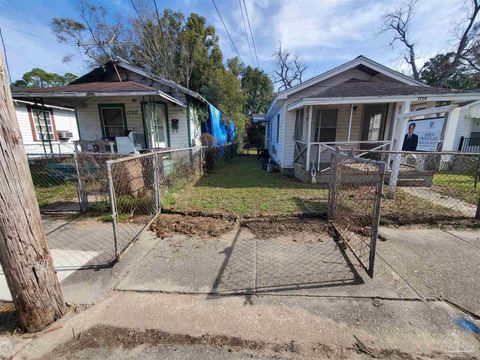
[{"x": 24, "y": 254}]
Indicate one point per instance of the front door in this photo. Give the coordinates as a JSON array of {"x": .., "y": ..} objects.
[
  {"x": 373, "y": 123},
  {"x": 155, "y": 122}
]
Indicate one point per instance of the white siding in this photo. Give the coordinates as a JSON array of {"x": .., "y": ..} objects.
[
  {"x": 195, "y": 129},
  {"x": 90, "y": 126},
  {"x": 178, "y": 138},
  {"x": 64, "y": 120},
  {"x": 289, "y": 141},
  {"x": 89, "y": 117},
  {"x": 275, "y": 143}
]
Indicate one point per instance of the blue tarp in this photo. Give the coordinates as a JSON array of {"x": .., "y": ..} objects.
[{"x": 222, "y": 131}]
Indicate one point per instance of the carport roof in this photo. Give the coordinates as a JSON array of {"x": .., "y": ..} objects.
[{"x": 112, "y": 88}]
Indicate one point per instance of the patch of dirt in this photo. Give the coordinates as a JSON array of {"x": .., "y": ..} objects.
[
  {"x": 96, "y": 339},
  {"x": 202, "y": 226},
  {"x": 274, "y": 227}
]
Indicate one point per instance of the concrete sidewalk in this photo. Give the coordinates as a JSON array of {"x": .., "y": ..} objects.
[
  {"x": 292, "y": 296},
  {"x": 436, "y": 263},
  {"x": 287, "y": 326}
]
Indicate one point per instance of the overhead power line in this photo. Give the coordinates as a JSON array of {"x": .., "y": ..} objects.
[
  {"x": 5, "y": 56},
  {"x": 251, "y": 33},
  {"x": 246, "y": 32},
  {"x": 228, "y": 33}
]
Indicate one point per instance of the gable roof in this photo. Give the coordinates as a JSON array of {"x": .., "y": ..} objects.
[
  {"x": 357, "y": 88},
  {"x": 170, "y": 83},
  {"x": 361, "y": 62}
]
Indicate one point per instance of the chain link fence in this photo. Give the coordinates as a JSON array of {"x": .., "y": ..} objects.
[
  {"x": 355, "y": 194},
  {"x": 140, "y": 184},
  {"x": 55, "y": 180},
  {"x": 423, "y": 187}
]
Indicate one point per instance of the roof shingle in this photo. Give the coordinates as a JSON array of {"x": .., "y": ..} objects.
[
  {"x": 113, "y": 86},
  {"x": 359, "y": 88}
]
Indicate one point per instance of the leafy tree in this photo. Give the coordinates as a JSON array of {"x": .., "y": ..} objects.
[
  {"x": 440, "y": 71},
  {"x": 224, "y": 90},
  {"x": 39, "y": 78},
  {"x": 258, "y": 89}
]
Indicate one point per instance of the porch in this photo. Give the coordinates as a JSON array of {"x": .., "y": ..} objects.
[
  {"x": 319, "y": 129},
  {"x": 123, "y": 117}
]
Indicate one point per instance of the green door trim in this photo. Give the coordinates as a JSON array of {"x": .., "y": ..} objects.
[
  {"x": 111, "y": 105},
  {"x": 143, "y": 102}
]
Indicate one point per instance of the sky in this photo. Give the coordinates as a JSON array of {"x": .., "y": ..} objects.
[{"x": 325, "y": 33}]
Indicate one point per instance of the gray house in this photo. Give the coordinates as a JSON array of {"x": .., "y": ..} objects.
[{"x": 355, "y": 105}]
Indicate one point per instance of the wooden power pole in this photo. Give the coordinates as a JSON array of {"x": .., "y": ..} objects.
[{"x": 24, "y": 254}]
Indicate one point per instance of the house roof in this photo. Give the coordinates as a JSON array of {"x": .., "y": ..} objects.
[
  {"x": 360, "y": 62},
  {"x": 357, "y": 88},
  {"x": 172, "y": 84},
  {"x": 103, "y": 88},
  {"x": 97, "y": 87}
]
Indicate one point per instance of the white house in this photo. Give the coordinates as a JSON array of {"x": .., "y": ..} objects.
[
  {"x": 60, "y": 122},
  {"x": 357, "y": 105},
  {"x": 118, "y": 99}
]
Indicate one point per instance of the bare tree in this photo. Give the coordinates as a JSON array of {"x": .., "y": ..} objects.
[
  {"x": 99, "y": 40},
  {"x": 466, "y": 52},
  {"x": 289, "y": 69},
  {"x": 398, "y": 21}
]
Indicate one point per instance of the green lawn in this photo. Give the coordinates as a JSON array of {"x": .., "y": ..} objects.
[
  {"x": 58, "y": 193},
  {"x": 241, "y": 187},
  {"x": 457, "y": 186}
]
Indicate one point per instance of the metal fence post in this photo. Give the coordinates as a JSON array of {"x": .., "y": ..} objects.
[
  {"x": 333, "y": 185},
  {"x": 82, "y": 192},
  {"x": 376, "y": 217},
  {"x": 201, "y": 160},
  {"x": 156, "y": 192},
  {"x": 392, "y": 182},
  {"x": 113, "y": 207}
]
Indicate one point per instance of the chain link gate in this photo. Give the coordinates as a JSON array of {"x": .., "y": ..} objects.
[
  {"x": 354, "y": 201},
  {"x": 138, "y": 184}
]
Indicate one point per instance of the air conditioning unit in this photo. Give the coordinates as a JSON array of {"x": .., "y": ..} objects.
[{"x": 64, "y": 135}]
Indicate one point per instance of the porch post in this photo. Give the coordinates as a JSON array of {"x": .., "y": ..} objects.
[
  {"x": 350, "y": 123},
  {"x": 309, "y": 131},
  {"x": 398, "y": 135}
]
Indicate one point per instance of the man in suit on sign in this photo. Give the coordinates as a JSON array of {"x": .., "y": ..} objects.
[{"x": 410, "y": 141}]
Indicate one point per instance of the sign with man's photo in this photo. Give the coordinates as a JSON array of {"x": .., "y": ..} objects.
[{"x": 423, "y": 134}]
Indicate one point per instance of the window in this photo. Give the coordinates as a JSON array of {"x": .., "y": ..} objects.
[
  {"x": 42, "y": 124},
  {"x": 278, "y": 127},
  {"x": 324, "y": 126},
  {"x": 112, "y": 117},
  {"x": 298, "y": 134}
]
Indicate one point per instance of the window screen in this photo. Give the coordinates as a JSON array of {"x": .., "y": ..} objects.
[
  {"x": 298, "y": 135},
  {"x": 113, "y": 121},
  {"x": 324, "y": 125}
]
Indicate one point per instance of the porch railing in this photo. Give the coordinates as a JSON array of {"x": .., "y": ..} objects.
[
  {"x": 318, "y": 154},
  {"x": 469, "y": 145}
]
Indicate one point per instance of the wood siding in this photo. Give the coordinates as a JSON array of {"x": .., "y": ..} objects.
[
  {"x": 64, "y": 121},
  {"x": 90, "y": 127}
]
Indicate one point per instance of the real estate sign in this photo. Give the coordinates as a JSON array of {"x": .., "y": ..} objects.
[{"x": 423, "y": 134}]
